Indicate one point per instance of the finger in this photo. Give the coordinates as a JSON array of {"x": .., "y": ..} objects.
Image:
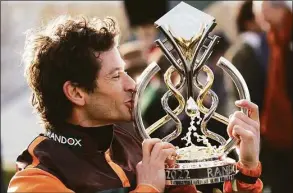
[
  {"x": 138, "y": 170},
  {"x": 147, "y": 146},
  {"x": 158, "y": 147},
  {"x": 243, "y": 134},
  {"x": 230, "y": 116},
  {"x": 253, "y": 108},
  {"x": 234, "y": 134},
  {"x": 139, "y": 165},
  {"x": 232, "y": 122},
  {"x": 229, "y": 128},
  {"x": 236, "y": 121},
  {"x": 244, "y": 118},
  {"x": 164, "y": 154}
]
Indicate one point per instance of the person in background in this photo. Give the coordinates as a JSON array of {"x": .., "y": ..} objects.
[
  {"x": 249, "y": 53},
  {"x": 145, "y": 34},
  {"x": 141, "y": 16},
  {"x": 277, "y": 114}
]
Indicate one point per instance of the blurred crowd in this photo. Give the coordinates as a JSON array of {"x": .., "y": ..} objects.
[{"x": 261, "y": 50}]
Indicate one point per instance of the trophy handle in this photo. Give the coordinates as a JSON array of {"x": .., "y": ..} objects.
[
  {"x": 146, "y": 76},
  {"x": 243, "y": 91}
]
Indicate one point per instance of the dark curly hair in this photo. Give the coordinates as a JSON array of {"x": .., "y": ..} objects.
[{"x": 64, "y": 50}]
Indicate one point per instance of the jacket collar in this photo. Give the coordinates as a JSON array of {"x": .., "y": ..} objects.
[{"x": 83, "y": 139}]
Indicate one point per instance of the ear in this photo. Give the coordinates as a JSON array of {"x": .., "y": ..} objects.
[{"x": 75, "y": 94}]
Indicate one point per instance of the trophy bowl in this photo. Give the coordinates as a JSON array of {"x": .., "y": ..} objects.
[{"x": 187, "y": 44}]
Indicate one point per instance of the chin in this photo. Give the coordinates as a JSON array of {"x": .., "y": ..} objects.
[
  {"x": 124, "y": 115},
  {"x": 127, "y": 117},
  {"x": 130, "y": 118}
]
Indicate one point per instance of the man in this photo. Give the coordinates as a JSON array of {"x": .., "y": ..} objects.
[{"x": 80, "y": 90}]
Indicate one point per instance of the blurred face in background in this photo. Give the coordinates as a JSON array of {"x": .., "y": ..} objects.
[
  {"x": 147, "y": 35},
  {"x": 253, "y": 26},
  {"x": 273, "y": 13},
  {"x": 259, "y": 16}
]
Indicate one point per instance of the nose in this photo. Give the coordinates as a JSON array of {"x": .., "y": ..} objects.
[{"x": 130, "y": 84}]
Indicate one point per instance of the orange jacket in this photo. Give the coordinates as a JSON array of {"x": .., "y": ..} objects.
[{"x": 70, "y": 162}]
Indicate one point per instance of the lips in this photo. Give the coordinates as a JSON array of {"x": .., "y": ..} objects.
[{"x": 129, "y": 104}]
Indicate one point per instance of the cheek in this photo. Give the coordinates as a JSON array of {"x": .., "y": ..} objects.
[
  {"x": 115, "y": 92},
  {"x": 110, "y": 94},
  {"x": 101, "y": 107},
  {"x": 110, "y": 99}
]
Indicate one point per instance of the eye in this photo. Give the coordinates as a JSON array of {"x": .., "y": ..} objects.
[{"x": 117, "y": 76}]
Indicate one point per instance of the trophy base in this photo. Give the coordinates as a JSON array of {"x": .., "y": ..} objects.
[
  {"x": 200, "y": 181},
  {"x": 203, "y": 170}
]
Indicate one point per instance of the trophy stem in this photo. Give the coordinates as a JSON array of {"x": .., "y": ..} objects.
[
  {"x": 172, "y": 41},
  {"x": 189, "y": 86},
  {"x": 169, "y": 56},
  {"x": 210, "y": 27},
  {"x": 187, "y": 68},
  {"x": 206, "y": 55}
]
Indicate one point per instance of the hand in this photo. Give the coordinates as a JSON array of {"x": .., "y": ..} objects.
[
  {"x": 151, "y": 170},
  {"x": 247, "y": 130}
]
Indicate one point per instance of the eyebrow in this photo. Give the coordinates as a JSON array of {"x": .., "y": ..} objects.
[{"x": 115, "y": 69}]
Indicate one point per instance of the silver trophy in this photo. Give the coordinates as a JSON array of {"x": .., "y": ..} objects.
[{"x": 187, "y": 44}]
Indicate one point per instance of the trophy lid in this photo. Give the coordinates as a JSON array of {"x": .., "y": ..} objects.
[{"x": 185, "y": 20}]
